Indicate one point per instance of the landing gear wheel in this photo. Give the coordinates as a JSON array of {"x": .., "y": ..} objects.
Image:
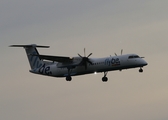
[
  {"x": 140, "y": 70},
  {"x": 68, "y": 78},
  {"x": 104, "y": 79}
]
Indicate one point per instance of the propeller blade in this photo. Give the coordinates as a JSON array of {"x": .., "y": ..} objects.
[
  {"x": 85, "y": 66},
  {"x": 142, "y": 57},
  {"x": 89, "y": 55},
  {"x": 121, "y": 51},
  {"x": 80, "y": 55},
  {"x": 90, "y": 62},
  {"x": 84, "y": 53},
  {"x": 115, "y": 54}
]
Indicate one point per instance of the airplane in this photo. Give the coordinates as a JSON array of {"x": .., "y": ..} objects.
[{"x": 61, "y": 66}]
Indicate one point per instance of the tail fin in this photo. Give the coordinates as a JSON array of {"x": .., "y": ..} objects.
[{"x": 35, "y": 61}]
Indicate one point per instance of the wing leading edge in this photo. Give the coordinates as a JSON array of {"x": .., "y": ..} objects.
[
  {"x": 64, "y": 62},
  {"x": 61, "y": 59}
]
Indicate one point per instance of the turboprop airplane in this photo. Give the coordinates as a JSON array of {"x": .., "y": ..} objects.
[{"x": 60, "y": 66}]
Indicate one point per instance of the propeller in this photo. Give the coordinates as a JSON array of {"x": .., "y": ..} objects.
[
  {"x": 85, "y": 59},
  {"x": 121, "y": 52}
]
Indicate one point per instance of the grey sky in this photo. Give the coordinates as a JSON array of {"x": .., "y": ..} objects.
[{"x": 102, "y": 27}]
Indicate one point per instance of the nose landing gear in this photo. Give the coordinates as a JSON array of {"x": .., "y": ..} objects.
[{"x": 140, "y": 70}]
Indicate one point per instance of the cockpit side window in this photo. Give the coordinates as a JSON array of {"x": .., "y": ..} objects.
[
  {"x": 130, "y": 57},
  {"x": 133, "y": 56},
  {"x": 136, "y": 56}
]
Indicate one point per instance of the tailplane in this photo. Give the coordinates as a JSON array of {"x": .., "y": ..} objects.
[{"x": 31, "y": 51}]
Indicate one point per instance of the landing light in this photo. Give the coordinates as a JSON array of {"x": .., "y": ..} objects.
[{"x": 95, "y": 73}]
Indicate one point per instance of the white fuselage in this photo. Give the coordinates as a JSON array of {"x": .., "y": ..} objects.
[{"x": 99, "y": 65}]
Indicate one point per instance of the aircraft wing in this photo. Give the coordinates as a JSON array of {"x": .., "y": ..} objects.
[{"x": 61, "y": 59}]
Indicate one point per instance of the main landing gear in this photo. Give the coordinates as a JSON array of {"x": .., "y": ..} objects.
[
  {"x": 69, "y": 78},
  {"x": 104, "y": 78}
]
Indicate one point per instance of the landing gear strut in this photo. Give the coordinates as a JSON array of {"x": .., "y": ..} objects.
[
  {"x": 69, "y": 78},
  {"x": 140, "y": 70},
  {"x": 104, "y": 78}
]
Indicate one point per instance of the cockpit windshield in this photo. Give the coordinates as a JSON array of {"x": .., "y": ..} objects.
[{"x": 133, "y": 56}]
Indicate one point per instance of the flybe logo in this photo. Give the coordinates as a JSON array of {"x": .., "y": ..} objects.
[
  {"x": 38, "y": 65},
  {"x": 112, "y": 61},
  {"x": 45, "y": 70},
  {"x": 35, "y": 61}
]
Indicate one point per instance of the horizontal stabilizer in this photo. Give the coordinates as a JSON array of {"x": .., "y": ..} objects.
[{"x": 31, "y": 45}]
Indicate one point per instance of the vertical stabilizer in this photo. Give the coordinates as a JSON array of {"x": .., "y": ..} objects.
[{"x": 31, "y": 51}]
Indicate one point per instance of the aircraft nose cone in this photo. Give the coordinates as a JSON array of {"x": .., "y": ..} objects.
[{"x": 145, "y": 63}]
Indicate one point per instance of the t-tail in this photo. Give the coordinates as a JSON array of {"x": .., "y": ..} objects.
[{"x": 32, "y": 54}]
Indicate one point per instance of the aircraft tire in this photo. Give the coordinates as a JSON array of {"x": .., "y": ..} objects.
[
  {"x": 104, "y": 79},
  {"x": 68, "y": 78},
  {"x": 140, "y": 70}
]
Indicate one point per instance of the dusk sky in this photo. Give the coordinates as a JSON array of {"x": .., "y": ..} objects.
[{"x": 103, "y": 27}]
